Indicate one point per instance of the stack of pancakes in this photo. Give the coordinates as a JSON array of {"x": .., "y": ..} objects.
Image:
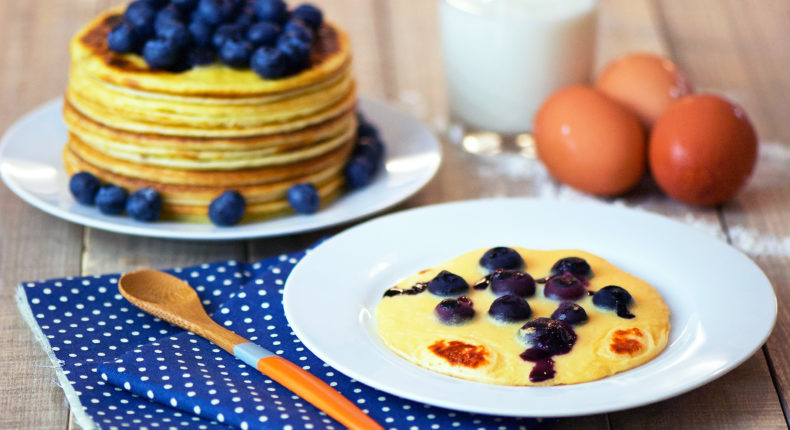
[{"x": 195, "y": 134}]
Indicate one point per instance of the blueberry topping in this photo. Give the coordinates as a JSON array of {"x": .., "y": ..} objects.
[
  {"x": 156, "y": 4},
  {"x": 455, "y": 311},
  {"x": 144, "y": 204},
  {"x": 309, "y": 14},
  {"x": 162, "y": 54},
  {"x": 227, "y": 209},
  {"x": 272, "y": 10},
  {"x": 140, "y": 15},
  {"x": 365, "y": 129},
  {"x": 83, "y": 187},
  {"x": 614, "y": 297},
  {"x": 504, "y": 281},
  {"x": 201, "y": 33},
  {"x": 502, "y": 258},
  {"x": 122, "y": 39},
  {"x": 176, "y": 32},
  {"x": 263, "y": 33},
  {"x": 447, "y": 284},
  {"x": 236, "y": 53},
  {"x": 166, "y": 17},
  {"x": 111, "y": 199},
  {"x": 570, "y": 313},
  {"x": 510, "y": 308},
  {"x": 215, "y": 12},
  {"x": 359, "y": 171},
  {"x": 370, "y": 148},
  {"x": 551, "y": 337},
  {"x": 226, "y": 32},
  {"x": 298, "y": 30},
  {"x": 414, "y": 289},
  {"x": 184, "y": 5},
  {"x": 564, "y": 287},
  {"x": 201, "y": 56},
  {"x": 575, "y": 265},
  {"x": 296, "y": 51},
  {"x": 269, "y": 63},
  {"x": 303, "y": 198}
]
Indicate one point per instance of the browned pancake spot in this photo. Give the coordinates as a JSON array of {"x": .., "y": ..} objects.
[
  {"x": 459, "y": 353},
  {"x": 622, "y": 343}
]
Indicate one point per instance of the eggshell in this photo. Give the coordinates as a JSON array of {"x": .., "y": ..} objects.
[
  {"x": 702, "y": 150},
  {"x": 644, "y": 83},
  {"x": 590, "y": 142}
]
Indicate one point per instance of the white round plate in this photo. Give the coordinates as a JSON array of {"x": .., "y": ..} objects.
[
  {"x": 721, "y": 304},
  {"x": 31, "y": 166}
]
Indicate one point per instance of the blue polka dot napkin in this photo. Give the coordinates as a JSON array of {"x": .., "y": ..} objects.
[{"x": 122, "y": 368}]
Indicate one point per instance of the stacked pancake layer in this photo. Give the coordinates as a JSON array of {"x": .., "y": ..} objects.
[{"x": 195, "y": 134}]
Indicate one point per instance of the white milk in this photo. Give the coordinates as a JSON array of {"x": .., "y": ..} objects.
[{"x": 504, "y": 57}]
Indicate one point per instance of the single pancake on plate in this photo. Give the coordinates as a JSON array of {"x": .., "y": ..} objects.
[{"x": 482, "y": 332}]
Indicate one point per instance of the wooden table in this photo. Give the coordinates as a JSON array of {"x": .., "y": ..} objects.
[{"x": 735, "y": 47}]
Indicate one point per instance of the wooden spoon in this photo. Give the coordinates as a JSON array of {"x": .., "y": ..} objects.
[{"x": 172, "y": 300}]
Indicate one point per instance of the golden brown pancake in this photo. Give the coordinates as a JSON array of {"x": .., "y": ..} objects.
[{"x": 486, "y": 350}]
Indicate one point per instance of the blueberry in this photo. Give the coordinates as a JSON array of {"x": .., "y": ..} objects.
[
  {"x": 310, "y": 14},
  {"x": 83, "y": 187},
  {"x": 236, "y": 53},
  {"x": 122, "y": 39},
  {"x": 455, "y": 311},
  {"x": 246, "y": 17},
  {"x": 263, "y": 33},
  {"x": 269, "y": 63},
  {"x": 156, "y": 4},
  {"x": 510, "y": 308},
  {"x": 614, "y": 297},
  {"x": 201, "y": 33},
  {"x": 184, "y": 5},
  {"x": 570, "y": 312},
  {"x": 299, "y": 30},
  {"x": 575, "y": 265},
  {"x": 111, "y": 199},
  {"x": 162, "y": 54},
  {"x": 140, "y": 15},
  {"x": 166, "y": 17},
  {"x": 505, "y": 281},
  {"x": 550, "y": 336},
  {"x": 564, "y": 287},
  {"x": 502, "y": 258},
  {"x": 447, "y": 284},
  {"x": 296, "y": 51},
  {"x": 144, "y": 204},
  {"x": 225, "y": 32},
  {"x": 215, "y": 12},
  {"x": 370, "y": 148},
  {"x": 366, "y": 129},
  {"x": 272, "y": 10},
  {"x": 304, "y": 198},
  {"x": 200, "y": 56},
  {"x": 358, "y": 171},
  {"x": 227, "y": 209},
  {"x": 176, "y": 32}
]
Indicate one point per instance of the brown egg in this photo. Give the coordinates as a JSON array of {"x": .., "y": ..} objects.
[
  {"x": 590, "y": 142},
  {"x": 645, "y": 83},
  {"x": 702, "y": 150}
]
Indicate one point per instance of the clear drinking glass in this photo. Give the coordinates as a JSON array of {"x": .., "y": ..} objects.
[{"x": 502, "y": 58}]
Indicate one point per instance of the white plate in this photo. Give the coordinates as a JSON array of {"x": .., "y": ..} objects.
[
  {"x": 31, "y": 166},
  {"x": 722, "y": 306}
]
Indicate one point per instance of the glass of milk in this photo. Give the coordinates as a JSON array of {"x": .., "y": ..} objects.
[{"x": 502, "y": 58}]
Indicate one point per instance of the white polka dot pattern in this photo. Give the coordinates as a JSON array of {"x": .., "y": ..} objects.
[{"x": 131, "y": 370}]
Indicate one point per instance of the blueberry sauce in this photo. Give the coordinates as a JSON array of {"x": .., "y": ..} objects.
[
  {"x": 414, "y": 289},
  {"x": 547, "y": 338}
]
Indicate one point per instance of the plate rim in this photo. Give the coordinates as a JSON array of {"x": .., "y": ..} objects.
[
  {"x": 632, "y": 402},
  {"x": 250, "y": 230}
]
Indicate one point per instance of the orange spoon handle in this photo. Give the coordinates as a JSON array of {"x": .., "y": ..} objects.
[{"x": 316, "y": 392}]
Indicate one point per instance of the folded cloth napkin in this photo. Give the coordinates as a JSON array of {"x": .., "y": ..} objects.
[{"x": 122, "y": 368}]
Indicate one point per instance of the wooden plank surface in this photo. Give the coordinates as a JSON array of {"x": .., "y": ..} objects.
[{"x": 729, "y": 47}]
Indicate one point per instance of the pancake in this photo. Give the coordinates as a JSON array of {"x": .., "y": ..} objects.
[
  {"x": 195, "y": 134},
  {"x": 331, "y": 51},
  {"x": 486, "y": 350}
]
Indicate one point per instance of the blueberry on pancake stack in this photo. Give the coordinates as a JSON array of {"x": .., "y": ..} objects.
[{"x": 194, "y": 98}]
